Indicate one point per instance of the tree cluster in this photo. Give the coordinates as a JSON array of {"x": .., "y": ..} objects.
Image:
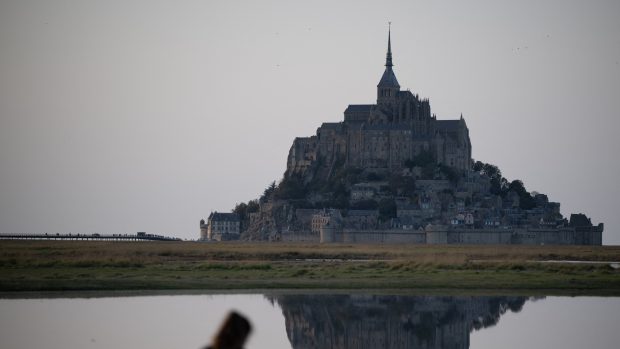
[
  {"x": 244, "y": 210},
  {"x": 501, "y": 186}
]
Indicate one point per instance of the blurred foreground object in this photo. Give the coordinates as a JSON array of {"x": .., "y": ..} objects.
[{"x": 233, "y": 333}]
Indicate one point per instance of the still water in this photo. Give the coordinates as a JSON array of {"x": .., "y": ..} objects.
[{"x": 313, "y": 321}]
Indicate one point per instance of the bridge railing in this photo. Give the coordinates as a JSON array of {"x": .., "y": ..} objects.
[{"x": 95, "y": 236}]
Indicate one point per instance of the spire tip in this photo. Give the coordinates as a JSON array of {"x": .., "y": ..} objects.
[{"x": 388, "y": 58}]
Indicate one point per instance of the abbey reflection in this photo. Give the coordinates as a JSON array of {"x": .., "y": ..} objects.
[{"x": 363, "y": 321}]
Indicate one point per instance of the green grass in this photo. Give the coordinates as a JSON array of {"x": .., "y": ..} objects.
[{"x": 57, "y": 265}]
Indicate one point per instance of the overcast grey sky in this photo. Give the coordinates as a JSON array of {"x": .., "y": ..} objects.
[{"x": 125, "y": 116}]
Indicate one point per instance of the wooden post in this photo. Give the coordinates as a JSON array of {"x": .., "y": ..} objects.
[{"x": 233, "y": 333}]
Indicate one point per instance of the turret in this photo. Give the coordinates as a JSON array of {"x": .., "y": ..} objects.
[{"x": 388, "y": 86}]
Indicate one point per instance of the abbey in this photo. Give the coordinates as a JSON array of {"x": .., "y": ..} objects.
[
  {"x": 391, "y": 172},
  {"x": 387, "y": 134}
]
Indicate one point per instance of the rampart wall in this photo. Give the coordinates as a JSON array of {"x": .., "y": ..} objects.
[{"x": 445, "y": 235}]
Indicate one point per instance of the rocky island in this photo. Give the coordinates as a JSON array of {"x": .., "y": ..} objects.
[{"x": 392, "y": 172}]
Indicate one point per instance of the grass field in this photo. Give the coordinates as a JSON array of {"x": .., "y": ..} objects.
[{"x": 79, "y": 265}]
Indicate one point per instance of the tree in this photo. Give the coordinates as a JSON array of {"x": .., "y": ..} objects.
[
  {"x": 428, "y": 171},
  {"x": 402, "y": 185},
  {"x": 373, "y": 177},
  {"x": 450, "y": 173},
  {"x": 526, "y": 200},
  {"x": 268, "y": 192},
  {"x": 244, "y": 210},
  {"x": 492, "y": 171},
  {"x": 424, "y": 158},
  {"x": 387, "y": 209},
  {"x": 499, "y": 184},
  {"x": 340, "y": 196},
  {"x": 241, "y": 209},
  {"x": 478, "y": 166},
  {"x": 517, "y": 186},
  {"x": 253, "y": 206},
  {"x": 291, "y": 187}
]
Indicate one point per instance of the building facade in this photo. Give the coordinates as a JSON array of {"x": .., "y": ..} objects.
[{"x": 220, "y": 227}]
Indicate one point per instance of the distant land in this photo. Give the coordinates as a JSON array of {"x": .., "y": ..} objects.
[{"x": 392, "y": 172}]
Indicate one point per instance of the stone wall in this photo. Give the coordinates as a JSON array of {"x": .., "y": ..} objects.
[
  {"x": 445, "y": 235},
  {"x": 391, "y": 236},
  {"x": 300, "y": 236}
]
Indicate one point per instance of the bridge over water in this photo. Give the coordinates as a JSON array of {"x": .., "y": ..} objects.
[{"x": 100, "y": 237}]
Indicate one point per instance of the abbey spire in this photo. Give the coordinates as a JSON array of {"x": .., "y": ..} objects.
[
  {"x": 388, "y": 57},
  {"x": 388, "y": 85}
]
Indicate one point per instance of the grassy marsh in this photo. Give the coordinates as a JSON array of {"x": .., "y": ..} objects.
[{"x": 91, "y": 265}]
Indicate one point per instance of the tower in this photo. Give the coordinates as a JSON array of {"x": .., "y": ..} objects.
[{"x": 388, "y": 86}]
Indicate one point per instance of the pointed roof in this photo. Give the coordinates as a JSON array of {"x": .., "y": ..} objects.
[{"x": 389, "y": 79}]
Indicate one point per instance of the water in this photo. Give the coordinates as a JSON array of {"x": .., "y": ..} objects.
[{"x": 313, "y": 321}]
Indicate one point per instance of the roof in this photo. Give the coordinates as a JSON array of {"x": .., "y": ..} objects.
[
  {"x": 383, "y": 127},
  {"x": 407, "y": 207},
  {"x": 388, "y": 79},
  {"x": 306, "y": 211},
  {"x": 331, "y": 125},
  {"x": 407, "y": 220},
  {"x": 359, "y": 108},
  {"x": 221, "y": 217},
  {"x": 448, "y": 125},
  {"x": 362, "y": 213},
  {"x": 407, "y": 93},
  {"x": 362, "y": 185}
]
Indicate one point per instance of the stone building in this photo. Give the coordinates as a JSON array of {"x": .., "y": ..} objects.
[
  {"x": 220, "y": 227},
  {"x": 326, "y": 217},
  {"x": 384, "y": 135},
  {"x": 362, "y": 219}
]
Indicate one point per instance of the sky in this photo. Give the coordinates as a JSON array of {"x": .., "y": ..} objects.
[
  {"x": 146, "y": 115},
  {"x": 170, "y": 321}
]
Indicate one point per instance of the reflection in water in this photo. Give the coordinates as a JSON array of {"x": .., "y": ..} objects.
[{"x": 372, "y": 321}]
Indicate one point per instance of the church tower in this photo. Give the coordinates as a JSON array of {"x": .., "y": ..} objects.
[{"x": 388, "y": 86}]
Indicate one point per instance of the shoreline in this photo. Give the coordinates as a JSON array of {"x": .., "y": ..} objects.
[{"x": 87, "y": 294}]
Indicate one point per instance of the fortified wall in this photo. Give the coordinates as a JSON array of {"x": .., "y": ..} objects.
[{"x": 445, "y": 235}]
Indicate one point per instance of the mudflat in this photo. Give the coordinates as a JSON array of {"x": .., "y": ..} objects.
[{"x": 98, "y": 265}]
